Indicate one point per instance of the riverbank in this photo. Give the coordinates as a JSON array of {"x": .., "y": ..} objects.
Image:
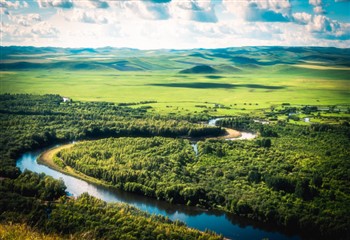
[
  {"x": 192, "y": 216},
  {"x": 46, "y": 158},
  {"x": 231, "y": 133}
]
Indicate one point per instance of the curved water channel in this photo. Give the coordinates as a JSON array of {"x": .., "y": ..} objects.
[
  {"x": 229, "y": 225},
  {"x": 244, "y": 135},
  {"x": 212, "y": 122}
]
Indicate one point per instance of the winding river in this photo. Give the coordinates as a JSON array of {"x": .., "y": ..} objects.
[
  {"x": 228, "y": 225},
  {"x": 244, "y": 135}
]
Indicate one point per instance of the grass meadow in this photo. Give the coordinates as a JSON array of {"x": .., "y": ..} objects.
[
  {"x": 179, "y": 80},
  {"x": 179, "y": 93}
]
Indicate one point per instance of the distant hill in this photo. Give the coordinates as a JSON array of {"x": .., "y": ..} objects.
[
  {"x": 200, "y": 69},
  {"x": 73, "y": 66},
  {"x": 191, "y": 61},
  {"x": 228, "y": 69}
]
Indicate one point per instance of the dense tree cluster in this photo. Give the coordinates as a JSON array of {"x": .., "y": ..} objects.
[
  {"x": 139, "y": 165},
  {"x": 298, "y": 179},
  {"x": 291, "y": 175},
  {"x": 238, "y": 123},
  {"x": 31, "y": 121},
  {"x": 22, "y": 200},
  {"x": 36, "y": 185}
]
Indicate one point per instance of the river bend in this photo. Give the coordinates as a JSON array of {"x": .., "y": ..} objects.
[{"x": 228, "y": 225}]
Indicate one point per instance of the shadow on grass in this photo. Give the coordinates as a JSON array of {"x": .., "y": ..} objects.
[
  {"x": 214, "y": 77},
  {"x": 204, "y": 85}
]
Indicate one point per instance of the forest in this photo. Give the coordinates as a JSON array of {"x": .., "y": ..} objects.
[
  {"x": 41, "y": 203},
  {"x": 287, "y": 180},
  {"x": 291, "y": 175},
  {"x": 31, "y": 121}
]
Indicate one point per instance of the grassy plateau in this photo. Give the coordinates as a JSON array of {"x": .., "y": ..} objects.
[{"x": 179, "y": 81}]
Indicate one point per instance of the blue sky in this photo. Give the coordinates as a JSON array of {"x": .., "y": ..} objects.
[{"x": 175, "y": 24}]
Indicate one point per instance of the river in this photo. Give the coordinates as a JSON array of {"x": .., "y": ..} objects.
[
  {"x": 212, "y": 122},
  {"x": 244, "y": 135},
  {"x": 228, "y": 225}
]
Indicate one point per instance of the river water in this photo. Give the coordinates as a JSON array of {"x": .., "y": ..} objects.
[
  {"x": 228, "y": 225},
  {"x": 244, "y": 135}
]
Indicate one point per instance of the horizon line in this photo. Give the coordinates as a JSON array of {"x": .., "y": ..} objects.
[{"x": 177, "y": 49}]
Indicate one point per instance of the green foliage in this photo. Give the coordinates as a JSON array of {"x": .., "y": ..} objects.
[
  {"x": 10, "y": 231},
  {"x": 265, "y": 142},
  {"x": 40, "y": 186},
  {"x": 83, "y": 218},
  {"x": 296, "y": 176},
  {"x": 286, "y": 180},
  {"x": 31, "y": 121}
]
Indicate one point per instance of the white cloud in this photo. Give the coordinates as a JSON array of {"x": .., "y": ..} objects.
[
  {"x": 302, "y": 18},
  {"x": 45, "y": 30},
  {"x": 184, "y": 24},
  {"x": 134, "y": 9},
  {"x": 91, "y": 4},
  {"x": 87, "y": 16},
  {"x": 73, "y": 3},
  {"x": 259, "y": 10},
  {"x": 4, "y": 11},
  {"x": 9, "y": 4},
  {"x": 321, "y": 24},
  {"x": 4, "y": 28},
  {"x": 195, "y": 10},
  {"x": 6, "y": 4},
  {"x": 324, "y": 27},
  {"x": 55, "y": 3},
  {"x": 23, "y": 35},
  {"x": 318, "y": 6},
  {"x": 319, "y": 10},
  {"x": 315, "y": 2},
  {"x": 145, "y": 10},
  {"x": 25, "y": 20},
  {"x": 282, "y": 6}
]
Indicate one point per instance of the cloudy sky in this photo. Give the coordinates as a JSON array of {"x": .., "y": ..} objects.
[{"x": 176, "y": 24}]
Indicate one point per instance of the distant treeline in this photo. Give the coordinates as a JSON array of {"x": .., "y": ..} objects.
[{"x": 136, "y": 103}]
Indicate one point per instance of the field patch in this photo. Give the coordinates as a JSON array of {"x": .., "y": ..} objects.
[
  {"x": 320, "y": 67},
  {"x": 214, "y": 77},
  {"x": 208, "y": 85}
]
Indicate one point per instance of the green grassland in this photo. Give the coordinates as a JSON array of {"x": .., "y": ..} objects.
[{"x": 241, "y": 79}]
